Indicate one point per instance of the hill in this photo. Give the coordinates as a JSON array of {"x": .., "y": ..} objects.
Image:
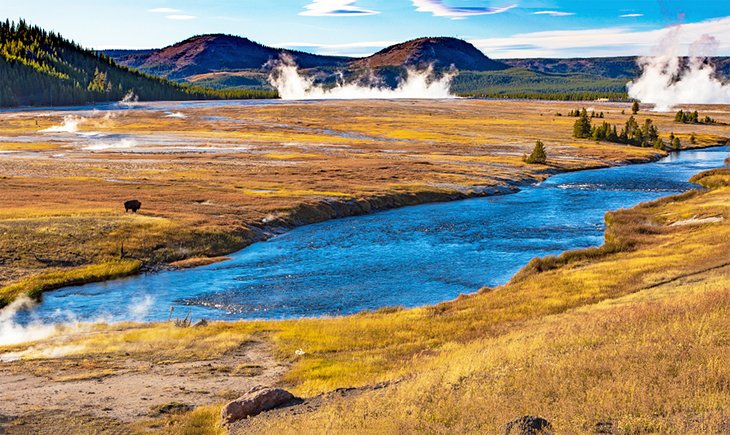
[
  {"x": 213, "y": 53},
  {"x": 42, "y": 68},
  {"x": 624, "y": 67},
  {"x": 439, "y": 52}
]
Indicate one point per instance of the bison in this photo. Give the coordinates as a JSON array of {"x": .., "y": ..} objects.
[{"x": 133, "y": 205}]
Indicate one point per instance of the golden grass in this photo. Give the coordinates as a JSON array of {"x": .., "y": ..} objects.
[
  {"x": 66, "y": 211},
  {"x": 204, "y": 420},
  {"x": 639, "y": 366},
  {"x": 636, "y": 339},
  {"x": 164, "y": 343},
  {"x": 35, "y": 285}
]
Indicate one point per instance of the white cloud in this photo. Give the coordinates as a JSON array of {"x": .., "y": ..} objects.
[
  {"x": 554, "y": 13},
  {"x": 163, "y": 10},
  {"x": 180, "y": 17},
  {"x": 335, "y": 8},
  {"x": 439, "y": 9},
  {"x": 631, "y": 15},
  {"x": 609, "y": 41}
]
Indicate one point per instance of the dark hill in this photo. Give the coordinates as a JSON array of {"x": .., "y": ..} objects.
[
  {"x": 213, "y": 53},
  {"x": 439, "y": 52}
]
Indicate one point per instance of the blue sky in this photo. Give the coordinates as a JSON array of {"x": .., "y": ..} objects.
[{"x": 501, "y": 28}]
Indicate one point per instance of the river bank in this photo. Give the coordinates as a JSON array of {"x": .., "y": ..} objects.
[
  {"x": 392, "y": 258},
  {"x": 530, "y": 346},
  {"x": 259, "y": 172}
]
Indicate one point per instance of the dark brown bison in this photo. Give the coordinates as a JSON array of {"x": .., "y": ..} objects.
[{"x": 133, "y": 205}]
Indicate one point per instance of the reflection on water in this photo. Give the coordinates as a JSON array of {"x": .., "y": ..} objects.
[{"x": 411, "y": 256}]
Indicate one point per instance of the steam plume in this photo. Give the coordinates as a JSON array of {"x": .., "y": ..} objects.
[
  {"x": 666, "y": 81},
  {"x": 70, "y": 125},
  {"x": 130, "y": 98},
  {"x": 292, "y": 85},
  {"x": 14, "y": 333}
]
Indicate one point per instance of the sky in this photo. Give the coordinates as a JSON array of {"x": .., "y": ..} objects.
[{"x": 500, "y": 28}]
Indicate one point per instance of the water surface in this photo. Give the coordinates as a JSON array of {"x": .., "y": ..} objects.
[{"x": 411, "y": 256}]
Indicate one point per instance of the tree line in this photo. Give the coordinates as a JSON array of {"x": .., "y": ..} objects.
[
  {"x": 38, "y": 67},
  {"x": 631, "y": 133},
  {"x": 692, "y": 118}
]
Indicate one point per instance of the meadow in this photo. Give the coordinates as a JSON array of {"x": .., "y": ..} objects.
[
  {"x": 213, "y": 180},
  {"x": 571, "y": 343}
]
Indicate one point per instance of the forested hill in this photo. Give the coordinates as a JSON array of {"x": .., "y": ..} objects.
[{"x": 42, "y": 68}]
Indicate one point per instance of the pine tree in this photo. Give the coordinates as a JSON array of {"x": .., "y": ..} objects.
[
  {"x": 538, "y": 155},
  {"x": 582, "y": 126},
  {"x": 635, "y": 107}
]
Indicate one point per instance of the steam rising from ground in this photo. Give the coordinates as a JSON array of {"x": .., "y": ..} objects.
[
  {"x": 666, "y": 81},
  {"x": 13, "y": 332},
  {"x": 70, "y": 124},
  {"x": 292, "y": 85}
]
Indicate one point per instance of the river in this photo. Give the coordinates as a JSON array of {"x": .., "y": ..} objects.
[{"x": 407, "y": 257}]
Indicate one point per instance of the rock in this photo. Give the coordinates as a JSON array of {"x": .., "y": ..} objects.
[
  {"x": 256, "y": 401},
  {"x": 528, "y": 425},
  {"x": 604, "y": 427},
  {"x": 201, "y": 323}
]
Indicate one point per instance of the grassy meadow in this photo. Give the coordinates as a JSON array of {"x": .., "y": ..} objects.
[
  {"x": 629, "y": 340},
  {"x": 212, "y": 180}
]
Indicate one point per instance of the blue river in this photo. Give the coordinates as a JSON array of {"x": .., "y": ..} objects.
[{"x": 406, "y": 257}]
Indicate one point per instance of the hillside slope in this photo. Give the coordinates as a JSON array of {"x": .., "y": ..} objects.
[
  {"x": 42, "y": 68},
  {"x": 438, "y": 52},
  {"x": 212, "y": 53},
  {"x": 624, "y": 67}
]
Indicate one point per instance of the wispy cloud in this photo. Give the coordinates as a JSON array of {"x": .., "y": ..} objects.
[
  {"x": 609, "y": 41},
  {"x": 631, "y": 15},
  {"x": 554, "y": 13},
  {"x": 180, "y": 17},
  {"x": 439, "y": 9},
  {"x": 335, "y": 8},
  {"x": 173, "y": 14},
  {"x": 164, "y": 10}
]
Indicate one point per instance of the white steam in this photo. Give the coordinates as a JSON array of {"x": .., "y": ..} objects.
[
  {"x": 125, "y": 143},
  {"x": 292, "y": 85},
  {"x": 14, "y": 333},
  {"x": 666, "y": 81},
  {"x": 70, "y": 124},
  {"x": 178, "y": 115},
  {"x": 130, "y": 98}
]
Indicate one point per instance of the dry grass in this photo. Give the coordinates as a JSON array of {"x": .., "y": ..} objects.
[
  {"x": 226, "y": 170},
  {"x": 635, "y": 340},
  {"x": 35, "y": 285},
  {"x": 570, "y": 338}
]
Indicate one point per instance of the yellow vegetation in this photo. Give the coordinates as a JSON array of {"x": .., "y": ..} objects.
[{"x": 634, "y": 339}]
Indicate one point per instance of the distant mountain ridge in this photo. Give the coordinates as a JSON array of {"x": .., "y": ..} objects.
[
  {"x": 611, "y": 67},
  {"x": 195, "y": 57},
  {"x": 205, "y": 54}
]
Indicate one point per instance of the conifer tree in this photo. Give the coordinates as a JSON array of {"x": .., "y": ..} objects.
[
  {"x": 538, "y": 155},
  {"x": 635, "y": 107}
]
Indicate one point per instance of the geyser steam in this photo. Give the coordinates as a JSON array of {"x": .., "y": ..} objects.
[
  {"x": 667, "y": 81},
  {"x": 292, "y": 85},
  {"x": 14, "y": 333},
  {"x": 70, "y": 125}
]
